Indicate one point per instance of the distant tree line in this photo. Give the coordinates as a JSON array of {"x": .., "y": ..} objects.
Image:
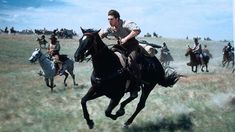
[{"x": 62, "y": 33}]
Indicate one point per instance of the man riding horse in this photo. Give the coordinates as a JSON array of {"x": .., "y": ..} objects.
[
  {"x": 42, "y": 41},
  {"x": 228, "y": 54},
  {"x": 228, "y": 48},
  {"x": 197, "y": 50},
  {"x": 53, "y": 51},
  {"x": 125, "y": 32},
  {"x": 165, "y": 56}
]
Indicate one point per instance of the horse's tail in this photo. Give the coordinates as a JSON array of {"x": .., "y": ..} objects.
[{"x": 170, "y": 80}]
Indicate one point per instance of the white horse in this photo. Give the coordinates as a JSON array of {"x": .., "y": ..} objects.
[{"x": 49, "y": 70}]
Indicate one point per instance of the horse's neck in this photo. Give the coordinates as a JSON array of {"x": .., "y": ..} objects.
[
  {"x": 99, "y": 48},
  {"x": 192, "y": 56},
  {"x": 104, "y": 60},
  {"x": 46, "y": 64}
]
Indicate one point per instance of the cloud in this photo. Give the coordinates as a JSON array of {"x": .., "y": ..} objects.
[{"x": 165, "y": 17}]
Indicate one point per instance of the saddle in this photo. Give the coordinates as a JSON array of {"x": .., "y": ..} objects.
[
  {"x": 63, "y": 58},
  {"x": 122, "y": 54},
  {"x": 126, "y": 60}
]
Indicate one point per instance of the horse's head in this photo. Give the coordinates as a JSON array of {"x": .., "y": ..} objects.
[
  {"x": 188, "y": 51},
  {"x": 35, "y": 55},
  {"x": 86, "y": 43}
]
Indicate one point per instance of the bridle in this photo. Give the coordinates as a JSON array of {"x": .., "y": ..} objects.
[{"x": 94, "y": 44}]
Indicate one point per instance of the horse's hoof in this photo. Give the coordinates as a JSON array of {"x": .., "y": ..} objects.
[
  {"x": 114, "y": 117},
  {"x": 65, "y": 84},
  {"x": 90, "y": 124},
  {"x": 207, "y": 71},
  {"x": 120, "y": 112},
  {"x": 54, "y": 86},
  {"x": 75, "y": 84},
  {"x": 126, "y": 125}
]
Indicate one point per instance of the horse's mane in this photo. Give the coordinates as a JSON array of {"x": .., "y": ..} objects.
[{"x": 91, "y": 30}]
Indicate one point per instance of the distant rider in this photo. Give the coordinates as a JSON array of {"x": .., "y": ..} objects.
[{"x": 197, "y": 49}]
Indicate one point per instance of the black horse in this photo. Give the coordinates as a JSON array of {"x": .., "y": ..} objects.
[
  {"x": 109, "y": 78},
  {"x": 195, "y": 62}
]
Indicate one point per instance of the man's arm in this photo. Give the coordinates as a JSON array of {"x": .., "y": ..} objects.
[
  {"x": 104, "y": 33},
  {"x": 132, "y": 34}
]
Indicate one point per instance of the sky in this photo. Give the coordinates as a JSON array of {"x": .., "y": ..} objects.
[{"x": 168, "y": 18}]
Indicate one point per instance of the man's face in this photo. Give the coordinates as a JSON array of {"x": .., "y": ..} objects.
[
  {"x": 53, "y": 40},
  {"x": 112, "y": 20}
]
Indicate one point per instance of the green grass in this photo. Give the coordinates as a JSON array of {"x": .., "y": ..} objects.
[{"x": 199, "y": 102}]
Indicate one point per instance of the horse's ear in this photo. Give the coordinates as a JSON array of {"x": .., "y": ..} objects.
[
  {"x": 96, "y": 31},
  {"x": 83, "y": 31}
]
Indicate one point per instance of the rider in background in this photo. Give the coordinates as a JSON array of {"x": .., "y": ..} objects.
[
  {"x": 206, "y": 52},
  {"x": 53, "y": 51},
  {"x": 43, "y": 40},
  {"x": 165, "y": 48},
  {"x": 197, "y": 49},
  {"x": 228, "y": 49},
  {"x": 125, "y": 32}
]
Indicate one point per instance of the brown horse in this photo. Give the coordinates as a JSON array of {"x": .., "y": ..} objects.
[
  {"x": 228, "y": 56},
  {"x": 195, "y": 61},
  {"x": 42, "y": 42}
]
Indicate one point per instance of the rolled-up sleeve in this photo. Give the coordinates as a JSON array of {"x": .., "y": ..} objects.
[{"x": 132, "y": 26}]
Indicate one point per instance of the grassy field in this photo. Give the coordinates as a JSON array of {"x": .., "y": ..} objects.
[{"x": 199, "y": 102}]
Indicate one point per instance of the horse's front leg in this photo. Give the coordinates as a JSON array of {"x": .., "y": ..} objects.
[
  {"x": 52, "y": 84},
  {"x": 112, "y": 104},
  {"x": 91, "y": 94},
  {"x": 202, "y": 68},
  {"x": 194, "y": 69},
  {"x": 47, "y": 82},
  {"x": 207, "y": 68}
]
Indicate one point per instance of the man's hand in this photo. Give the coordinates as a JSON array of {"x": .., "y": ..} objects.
[{"x": 123, "y": 40}]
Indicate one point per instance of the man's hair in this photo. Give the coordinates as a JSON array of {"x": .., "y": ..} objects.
[{"x": 114, "y": 13}]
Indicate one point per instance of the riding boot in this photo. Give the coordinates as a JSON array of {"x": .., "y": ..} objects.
[{"x": 135, "y": 78}]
